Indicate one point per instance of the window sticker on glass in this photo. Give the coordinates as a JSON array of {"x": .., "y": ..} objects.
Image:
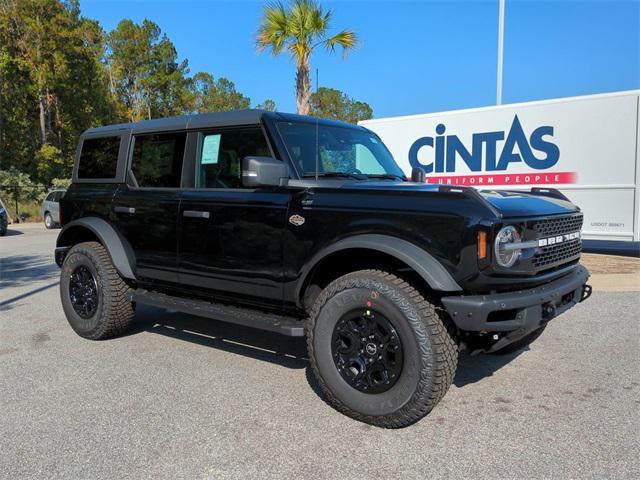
[{"x": 210, "y": 149}]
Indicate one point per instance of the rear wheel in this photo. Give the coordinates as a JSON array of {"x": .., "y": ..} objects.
[
  {"x": 48, "y": 221},
  {"x": 94, "y": 297},
  {"x": 380, "y": 351}
]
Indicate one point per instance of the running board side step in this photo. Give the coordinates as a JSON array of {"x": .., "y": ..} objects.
[{"x": 288, "y": 326}]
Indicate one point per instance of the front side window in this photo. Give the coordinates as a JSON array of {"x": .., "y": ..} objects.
[
  {"x": 337, "y": 150},
  {"x": 99, "y": 158},
  {"x": 157, "y": 159},
  {"x": 220, "y": 154}
]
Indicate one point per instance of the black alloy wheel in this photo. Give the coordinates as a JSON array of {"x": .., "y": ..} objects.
[
  {"x": 95, "y": 299},
  {"x": 83, "y": 292},
  {"x": 367, "y": 351},
  {"x": 381, "y": 352}
]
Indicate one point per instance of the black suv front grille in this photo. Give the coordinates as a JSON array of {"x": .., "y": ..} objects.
[
  {"x": 568, "y": 249},
  {"x": 558, "y": 226}
]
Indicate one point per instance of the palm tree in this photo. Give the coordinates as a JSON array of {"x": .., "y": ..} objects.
[{"x": 300, "y": 29}]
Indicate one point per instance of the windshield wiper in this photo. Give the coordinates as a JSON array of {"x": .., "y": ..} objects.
[
  {"x": 390, "y": 176},
  {"x": 357, "y": 176}
]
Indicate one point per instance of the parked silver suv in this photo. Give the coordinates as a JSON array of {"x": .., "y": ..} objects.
[{"x": 51, "y": 208}]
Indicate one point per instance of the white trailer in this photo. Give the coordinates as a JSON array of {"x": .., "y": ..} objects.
[{"x": 587, "y": 147}]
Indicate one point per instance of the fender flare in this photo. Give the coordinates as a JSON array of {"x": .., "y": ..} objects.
[
  {"x": 425, "y": 264},
  {"x": 117, "y": 247}
]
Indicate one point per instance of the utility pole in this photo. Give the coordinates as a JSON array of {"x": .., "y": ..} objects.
[
  {"x": 15, "y": 197},
  {"x": 500, "y": 51}
]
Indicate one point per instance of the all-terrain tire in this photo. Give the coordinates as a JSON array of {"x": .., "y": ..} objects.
[
  {"x": 429, "y": 348},
  {"x": 522, "y": 343},
  {"x": 114, "y": 311},
  {"x": 48, "y": 221}
]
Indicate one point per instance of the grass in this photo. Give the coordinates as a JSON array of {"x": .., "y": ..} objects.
[{"x": 28, "y": 209}]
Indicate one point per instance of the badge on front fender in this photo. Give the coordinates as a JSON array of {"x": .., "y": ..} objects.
[{"x": 296, "y": 220}]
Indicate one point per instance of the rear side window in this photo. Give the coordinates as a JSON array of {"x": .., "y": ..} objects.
[
  {"x": 157, "y": 159},
  {"x": 99, "y": 157}
]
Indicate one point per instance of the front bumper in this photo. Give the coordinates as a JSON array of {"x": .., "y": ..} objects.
[{"x": 518, "y": 312}]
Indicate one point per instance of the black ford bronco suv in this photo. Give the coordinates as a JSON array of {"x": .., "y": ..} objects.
[{"x": 308, "y": 227}]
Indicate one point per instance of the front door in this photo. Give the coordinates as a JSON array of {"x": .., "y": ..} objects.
[
  {"x": 146, "y": 211},
  {"x": 231, "y": 237}
]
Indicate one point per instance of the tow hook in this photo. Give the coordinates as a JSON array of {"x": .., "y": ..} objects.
[{"x": 586, "y": 292}]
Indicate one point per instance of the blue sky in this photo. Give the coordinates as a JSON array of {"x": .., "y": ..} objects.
[{"x": 414, "y": 57}]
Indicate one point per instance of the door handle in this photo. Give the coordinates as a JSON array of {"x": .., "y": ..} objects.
[
  {"x": 195, "y": 214},
  {"x": 124, "y": 209}
]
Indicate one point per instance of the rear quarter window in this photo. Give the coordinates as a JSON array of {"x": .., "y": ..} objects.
[{"x": 99, "y": 158}]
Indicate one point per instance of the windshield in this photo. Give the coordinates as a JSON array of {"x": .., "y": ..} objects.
[{"x": 337, "y": 151}]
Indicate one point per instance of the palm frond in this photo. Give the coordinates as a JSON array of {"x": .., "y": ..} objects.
[
  {"x": 299, "y": 28},
  {"x": 274, "y": 28},
  {"x": 347, "y": 39}
]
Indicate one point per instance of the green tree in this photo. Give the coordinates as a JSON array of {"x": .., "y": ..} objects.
[
  {"x": 14, "y": 182},
  {"x": 51, "y": 81},
  {"x": 332, "y": 103},
  {"x": 50, "y": 162},
  {"x": 268, "y": 105},
  {"x": 145, "y": 77},
  {"x": 58, "y": 183},
  {"x": 300, "y": 29},
  {"x": 211, "y": 95}
]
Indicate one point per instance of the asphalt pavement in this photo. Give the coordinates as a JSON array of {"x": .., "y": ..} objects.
[{"x": 181, "y": 397}]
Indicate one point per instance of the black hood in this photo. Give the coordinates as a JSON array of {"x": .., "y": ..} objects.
[{"x": 508, "y": 204}]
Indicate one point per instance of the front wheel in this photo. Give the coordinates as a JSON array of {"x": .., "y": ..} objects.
[
  {"x": 381, "y": 352},
  {"x": 94, "y": 297}
]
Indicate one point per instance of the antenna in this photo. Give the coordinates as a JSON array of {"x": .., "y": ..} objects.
[
  {"x": 317, "y": 147},
  {"x": 317, "y": 127}
]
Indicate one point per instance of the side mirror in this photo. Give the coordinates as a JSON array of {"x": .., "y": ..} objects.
[
  {"x": 264, "y": 172},
  {"x": 418, "y": 175}
]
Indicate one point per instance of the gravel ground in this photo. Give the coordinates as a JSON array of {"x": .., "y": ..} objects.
[
  {"x": 615, "y": 264},
  {"x": 185, "y": 398}
]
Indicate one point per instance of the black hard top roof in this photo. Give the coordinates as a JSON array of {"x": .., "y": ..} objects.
[{"x": 209, "y": 120}]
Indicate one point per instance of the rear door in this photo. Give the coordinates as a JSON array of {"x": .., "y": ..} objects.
[
  {"x": 231, "y": 239},
  {"x": 146, "y": 208}
]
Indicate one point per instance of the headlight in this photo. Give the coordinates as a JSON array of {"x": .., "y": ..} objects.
[{"x": 506, "y": 248}]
